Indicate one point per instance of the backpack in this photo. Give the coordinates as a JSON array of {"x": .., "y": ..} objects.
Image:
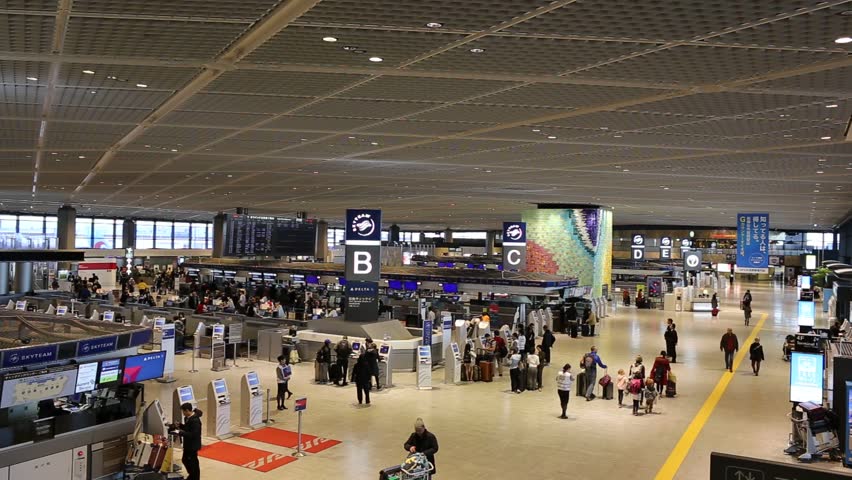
[
  {"x": 635, "y": 386},
  {"x": 588, "y": 361}
]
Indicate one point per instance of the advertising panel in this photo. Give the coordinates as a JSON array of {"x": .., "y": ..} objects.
[
  {"x": 806, "y": 372},
  {"x": 753, "y": 240}
]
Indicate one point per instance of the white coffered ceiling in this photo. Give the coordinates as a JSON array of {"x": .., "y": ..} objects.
[{"x": 675, "y": 112}]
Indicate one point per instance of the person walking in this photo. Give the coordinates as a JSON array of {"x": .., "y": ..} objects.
[
  {"x": 423, "y": 441},
  {"x": 283, "y": 372},
  {"x": 591, "y": 361},
  {"x": 755, "y": 353},
  {"x": 729, "y": 345},
  {"x": 747, "y": 313},
  {"x": 547, "y": 341},
  {"x": 592, "y": 321},
  {"x": 501, "y": 351},
  {"x": 660, "y": 371},
  {"x": 564, "y": 382},
  {"x": 190, "y": 431},
  {"x": 671, "y": 340},
  {"x": 637, "y": 368},
  {"x": 362, "y": 374},
  {"x": 323, "y": 361},
  {"x": 343, "y": 350},
  {"x": 515, "y": 371},
  {"x": 372, "y": 354}
]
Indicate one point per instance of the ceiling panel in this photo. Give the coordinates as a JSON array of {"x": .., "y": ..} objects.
[
  {"x": 723, "y": 104},
  {"x": 26, "y": 33},
  {"x": 426, "y": 128},
  {"x": 29, "y": 94},
  {"x": 178, "y": 139},
  {"x": 470, "y": 112},
  {"x": 213, "y": 119},
  {"x": 221, "y": 102},
  {"x": 16, "y": 72},
  {"x": 303, "y": 122},
  {"x": 107, "y": 97},
  {"x": 227, "y": 9},
  {"x": 282, "y": 83},
  {"x": 339, "y": 107},
  {"x": 813, "y": 30},
  {"x": 305, "y": 45},
  {"x": 826, "y": 82},
  {"x": 561, "y": 95},
  {"x": 124, "y": 76},
  {"x": 526, "y": 55},
  {"x": 100, "y": 114},
  {"x": 425, "y": 89}
]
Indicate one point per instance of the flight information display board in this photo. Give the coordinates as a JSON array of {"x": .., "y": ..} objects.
[{"x": 252, "y": 235}]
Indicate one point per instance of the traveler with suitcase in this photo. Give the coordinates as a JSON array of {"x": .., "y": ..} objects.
[
  {"x": 660, "y": 372},
  {"x": 515, "y": 370},
  {"x": 322, "y": 362},
  {"x": 468, "y": 359},
  {"x": 671, "y": 386},
  {"x": 564, "y": 381},
  {"x": 591, "y": 361}
]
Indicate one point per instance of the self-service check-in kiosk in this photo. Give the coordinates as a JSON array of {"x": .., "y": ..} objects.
[
  {"x": 251, "y": 401},
  {"x": 219, "y": 406},
  {"x": 181, "y": 395},
  {"x": 452, "y": 365},
  {"x": 385, "y": 368},
  {"x": 459, "y": 332}
]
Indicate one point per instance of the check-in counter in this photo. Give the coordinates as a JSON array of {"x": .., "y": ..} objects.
[
  {"x": 700, "y": 305},
  {"x": 403, "y": 352}
]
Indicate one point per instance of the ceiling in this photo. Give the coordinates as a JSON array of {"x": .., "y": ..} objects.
[{"x": 675, "y": 112}]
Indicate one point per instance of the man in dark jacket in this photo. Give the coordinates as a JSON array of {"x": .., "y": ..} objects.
[
  {"x": 343, "y": 350},
  {"x": 423, "y": 441},
  {"x": 547, "y": 341},
  {"x": 190, "y": 430},
  {"x": 729, "y": 344},
  {"x": 671, "y": 340}
]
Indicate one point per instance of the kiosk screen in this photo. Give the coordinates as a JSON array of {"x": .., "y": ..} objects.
[
  {"x": 384, "y": 350},
  {"x": 139, "y": 368},
  {"x": 356, "y": 346},
  {"x": 220, "y": 387},
  {"x": 253, "y": 381},
  {"x": 87, "y": 374},
  {"x": 185, "y": 394}
]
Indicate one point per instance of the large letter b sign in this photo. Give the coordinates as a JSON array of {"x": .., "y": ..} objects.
[{"x": 362, "y": 263}]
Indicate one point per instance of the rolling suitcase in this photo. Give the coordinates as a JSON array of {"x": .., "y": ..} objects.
[
  {"x": 486, "y": 371},
  {"x": 335, "y": 372},
  {"x": 607, "y": 391},
  {"x": 585, "y": 329},
  {"x": 581, "y": 384},
  {"x": 477, "y": 373},
  {"x": 671, "y": 386}
]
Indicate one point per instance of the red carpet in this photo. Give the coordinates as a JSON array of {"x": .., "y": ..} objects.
[
  {"x": 288, "y": 439},
  {"x": 250, "y": 458}
]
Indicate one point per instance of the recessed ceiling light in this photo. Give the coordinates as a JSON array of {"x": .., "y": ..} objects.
[
  {"x": 552, "y": 137},
  {"x": 843, "y": 40},
  {"x": 787, "y": 136},
  {"x": 434, "y": 25},
  {"x": 625, "y": 170},
  {"x": 89, "y": 72},
  {"x": 230, "y": 176},
  {"x": 820, "y": 171},
  {"x": 821, "y": 160},
  {"x": 350, "y": 48},
  {"x": 374, "y": 143},
  {"x": 112, "y": 77},
  {"x": 833, "y": 105},
  {"x": 32, "y": 78},
  {"x": 816, "y": 191},
  {"x": 376, "y": 59},
  {"x": 142, "y": 85},
  {"x": 81, "y": 156},
  {"x": 536, "y": 130},
  {"x": 477, "y": 50},
  {"x": 329, "y": 39},
  {"x": 58, "y": 159},
  {"x": 93, "y": 91},
  {"x": 488, "y": 171},
  {"x": 825, "y": 138},
  {"x": 174, "y": 149}
]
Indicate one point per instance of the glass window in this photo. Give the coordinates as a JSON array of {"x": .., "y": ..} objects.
[
  {"x": 415, "y": 237},
  {"x": 51, "y": 226},
  {"x": 31, "y": 225},
  {"x": 144, "y": 234},
  {"x": 181, "y": 235},
  {"x": 8, "y": 224},
  {"x": 104, "y": 233},
  {"x": 119, "y": 234},
  {"x": 470, "y": 235},
  {"x": 209, "y": 235},
  {"x": 163, "y": 238},
  {"x": 83, "y": 233},
  {"x": 385, "y": 235},
  {"x": 199, "y": 235}
]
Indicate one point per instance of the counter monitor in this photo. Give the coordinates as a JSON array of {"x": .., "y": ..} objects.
[
  {"x": 87, "y": 375},
  {"x": 143, "y": 367},
  {"x": 356, "y": 346},
  {"x": 61, "y": 310},
  {"x": 110, "y": 370},
  {"x": 109, "y": 316},
  {"x": 451, "y": 288},
  {"x": 253, "y": 381},
  {"x": 395, "y": 284},
  {"x": 159, "y": 322},
  {"x": 384, "y": 349}
]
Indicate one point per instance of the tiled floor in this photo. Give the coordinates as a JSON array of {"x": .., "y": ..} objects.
[{"x": 485, "y": 432}]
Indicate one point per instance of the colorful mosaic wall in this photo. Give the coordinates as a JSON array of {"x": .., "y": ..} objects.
[{"x": 576, "y": 242}]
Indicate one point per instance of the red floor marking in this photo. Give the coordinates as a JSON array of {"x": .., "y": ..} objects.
[
  {"x": 318, "y": 444},
  {"x": 288, "y": 439},
  {"x": 251, "y": 458}
]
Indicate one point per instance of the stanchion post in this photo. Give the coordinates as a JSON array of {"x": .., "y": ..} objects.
[
  {"x": 268, "y": 419},
  {"x": 194, "y": 350},
  {"x": 299, "y": 452},
  {"x": 235, "y": 354},
  {"x": 248, "y": 350}
]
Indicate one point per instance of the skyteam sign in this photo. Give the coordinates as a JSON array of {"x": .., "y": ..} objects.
[
  {"x": 362, "y": 263},
  {"x": 753, "y": 240},
  {"x": 20, "y": 357},
  {"x": 514, "y": 246},
  {"x": 95, "y": 346}
]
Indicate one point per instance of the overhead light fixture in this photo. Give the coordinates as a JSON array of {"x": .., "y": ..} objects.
[
  {"x": 89, "y": 72},
  {"x": 376, "y": 59},
  {"x": 81, "y": 156},
  {"x": 32, "y": 78},
  {"x": 350, "y": 48},
  {"x": 93, "y": 91},
  {"x": 833, "y": 105},
  {"x": 825, "y": 138},
  {"x": 536, "y": 130},
  {"x": 112, "y": 77},
  {"x": 434, "y": 25},
  {"x": 843, "y": 40},
  {"x": 142, "y": 85},
  {"x": 551, "y": 137},
  {"x": 820, "y": 172},
  {"x": 477, "y": 50},
  {"x": 329, "y": 39}
]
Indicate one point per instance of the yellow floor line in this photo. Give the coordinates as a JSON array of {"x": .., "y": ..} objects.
[{"x": 678, "y": 454}]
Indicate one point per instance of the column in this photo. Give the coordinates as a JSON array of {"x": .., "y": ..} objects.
[
  {"x": 23, "y": 277},
  {"x": 66, "y": 225},
  {"x": 128, "y": 233},
  {"x": 4, "y": 278},
  {"x": 490, "y": 241},
  {"x": 219, "y": 235},
  {"x": 448, "y": 236},
  {"x": 321, "y": 244},
  {"x": 393, "y": 234}
]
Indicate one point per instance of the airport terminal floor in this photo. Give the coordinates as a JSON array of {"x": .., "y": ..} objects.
[{"x": 486, "y": 432}]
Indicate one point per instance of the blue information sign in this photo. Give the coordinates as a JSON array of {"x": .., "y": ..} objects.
[
  {"x": 363, "y": 225},
  {"x": 514, "y": 233},
  {"x": 95, "y": 346},
  {"x": 427, "y": 332},
  {"x": 141, "y": 337},
  {"x": 19, "y": 357},
  {"x": 753, "y": 240}
]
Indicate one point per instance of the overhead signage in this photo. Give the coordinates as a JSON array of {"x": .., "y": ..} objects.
[
  {"x": 427, "y": 332},
  {"x": 753, "y": 240},
  {"x": 666, "y": 247},
  {"x": 141, "y": 337},
  {"x": 363, "y": 226},
  {"x": 692, "y": 261},
  {"x": 301, "y": 404},
  {"x": 95, "y": 346},
  {"x": 750, "y": 270},
  {"x": 637, "y": 247},
  {"x": 685, "y": 243},
  {"x": 362, "y": 304},
  {"x": 514, "y": 246},
  {"x": 20, "y": 357}
]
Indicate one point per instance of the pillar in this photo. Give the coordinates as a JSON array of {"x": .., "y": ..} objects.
[
  {"x": 393, "y": 234},
  {"x": 219, "y": 235},
  {"x": 448, "y": 236},
  {"x": 128, "y": 233},
  {"x": 321, "y": 244},
  {"x": 23, "y": 277},
  {"x": 490, "y": 241},
  {"x": 66, "y": 227},
  {"x": 4, "y": 278}
]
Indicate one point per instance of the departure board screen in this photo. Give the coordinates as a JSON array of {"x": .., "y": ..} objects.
[{"x": 251, "y": 235}]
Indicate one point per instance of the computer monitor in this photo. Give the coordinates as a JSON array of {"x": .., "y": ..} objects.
[
  {"x": 185, "y": 394},
  {"x": 253, "y": 381},
  {"x": 87, "y": 375},
  {"x": 395, "y": 284},
  {"x": 61, "y": 310},
  {"x": 806, "y": 375},
  {"x": 451, "y": 288},
  {"x": 147, "y": 366},
  {"x": 384, "y": 349},
  {"x": 109, "y": 372},
  {"x": 35, "y": 385},
  {"x": 312, "y": 280},
  {"x": 158, "y": 322},
  {"x": 109, "y": 316},
  {"x": 356, "y": 346},
  {"x": 410, "y": 285},
  {"x": 21, "y": 305},
  {"x": 806, "y": 282},
  {"x": 220, "y": 387}
]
